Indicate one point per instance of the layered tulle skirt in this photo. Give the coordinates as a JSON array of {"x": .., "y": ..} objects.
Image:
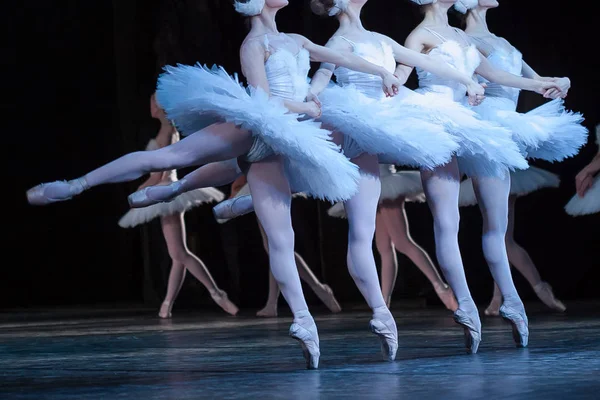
[
  {"x": 522, "y": 183},
  {"x": 485, "y": 147},
  {"x": 405, "y": 184},
  {"x": 179, "y": 204},
  {"x": 193, "y": 96},
  {"x": 548, "y": 132},
  {"x": 396, "y": 132},
  {"x": 588, "y": 204}
]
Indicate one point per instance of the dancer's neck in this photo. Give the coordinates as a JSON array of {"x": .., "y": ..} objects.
[
  {"x": 264, "y": 23},
  {"x": 350, "y": 19},
  {"x": 477, "y": 23},
  {"x": 437, "y": 15}
]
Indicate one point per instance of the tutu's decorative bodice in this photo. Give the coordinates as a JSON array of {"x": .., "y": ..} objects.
[
  {"x": 153, "y": 145},
  {"x": 464, "y": 58},
  {"x": 380, "y": 54},
  {"x": 287, "y": 68},
  {"x": 505, "y": 57}
]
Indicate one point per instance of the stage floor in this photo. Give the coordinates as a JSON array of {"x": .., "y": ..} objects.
[{"x": 134, "y": 355}]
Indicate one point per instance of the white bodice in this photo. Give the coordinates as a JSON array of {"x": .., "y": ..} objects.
[
  {"x": 378, "y": 53},
  {"x": 506, "y": 58},
  {"x": 464, "y": 58},
  {"x": 287, "y": 68}
]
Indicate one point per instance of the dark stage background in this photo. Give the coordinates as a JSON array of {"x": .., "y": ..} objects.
[{"x": 86, "y": 71}]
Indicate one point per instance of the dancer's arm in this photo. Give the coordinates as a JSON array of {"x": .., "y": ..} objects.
[
  {"x": 414, "y": 58},
  {"x": 322, "y": 77},
  {"x": 564, "y": 84},
  {"x": 486, "y": 70},
  {"x": 585, "y": 178},
  {"x": 252, "y": 57},
  {"x": 391, "y": 85}
]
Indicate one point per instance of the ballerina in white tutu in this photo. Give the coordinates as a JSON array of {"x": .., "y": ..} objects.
[
  {"x": 240, "y": 188},
  {"x": 522, "y": 183},
  {"x": 484, "y": 154},
  {"x": 262, "y": 129},
  {"x": 587, "y": 183},
  {"x": 392, "y": 232},
  {"x": 173, "y": 224}
]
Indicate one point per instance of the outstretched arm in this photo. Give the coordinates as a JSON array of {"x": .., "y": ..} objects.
[
  {"x": 412, "y": 58},
  {"x": 564, "y": 84},
  {"x": 391, "y": 85},
  {"x": 504, "y": 78}
]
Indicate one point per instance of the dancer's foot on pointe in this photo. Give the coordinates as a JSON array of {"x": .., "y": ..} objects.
[
  {"x": 154, "y": 194},
  {"x": 325, "y": 294},
  {"x": 384, "y": 326},
  {"x": 467, "y": 315},
  {"x": 304, "y": 330},
  {"x": 165, "y": 309},
  {"x": 232, "y": 208},
  {"x": 545, "y": 294},
  {"x": 446, "y": 295},
  {"x": 268, "y": 311},
  {"x": 513, "y": 311},
  {"x": 220, "y": 297},
  {"x": 47, "y": 193}
]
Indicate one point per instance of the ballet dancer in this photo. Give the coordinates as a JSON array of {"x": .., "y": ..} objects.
[
  {"x": 173, "y": 224},
  {"x": 262, "y": 130},
  {"x": 240, "y": 188},
  {"x": 489, "y": 167},
  {"x": 392, "y": 232},
  {"x": 522, "y": 183},
  {"x": 587, "y": 183}
]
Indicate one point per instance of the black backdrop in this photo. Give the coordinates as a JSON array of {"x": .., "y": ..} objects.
[{"x": 85, "y": 73}]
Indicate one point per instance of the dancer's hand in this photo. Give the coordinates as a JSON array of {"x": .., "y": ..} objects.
[
  {"x": 583, "y": 181},
  {"x": 391, "y": 84},
  {"x": 476, "y": 93},
  {"x": 313, "y": 97},
  {"x": 546, "y": 88},
  {"x": 564, "y": 84},
  {"x": 313, "y": 109}
]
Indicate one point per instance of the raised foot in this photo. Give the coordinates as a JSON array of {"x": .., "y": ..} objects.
[
  {"x": 220, "y": 297},
  {"x": 388, "y": 335},
  {"x": 472, "y": 329},
  {"x": 268, "y": 311},
  {"x": 309, "y": 342}
]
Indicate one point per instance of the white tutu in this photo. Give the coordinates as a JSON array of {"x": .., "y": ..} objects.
[
  {"x": 521, "y": 183},
  {"x": 314, "y": 164},
  {"x": 588, "y": 204},
  {"x": 399, "y": 132},
  {"x": 179, "y": 204},
  {"x": 393, "y": 185},
  {"x": 548, "y": 132},
  {"x": 245, "y": 190}
]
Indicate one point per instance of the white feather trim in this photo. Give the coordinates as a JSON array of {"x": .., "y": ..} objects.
[{"x": 249, "y": 8}]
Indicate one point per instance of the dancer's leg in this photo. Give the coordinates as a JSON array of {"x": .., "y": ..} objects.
[
  {"x": 389, "y": 261},
  {"x": 217, "y": 142},
  {"x": 214, "y": 174},
  {"x": 442, "y": 186},
  {"x": 394, "y": 217},
  {"x": 361, "y": 210},
  {"x": 521, "y": 260},
  {"x": 270, "y": 309},
  {"x": 175, "y": 236},
  {"x": 272, "y": 200},
  {"x": 492, "y": 196}
]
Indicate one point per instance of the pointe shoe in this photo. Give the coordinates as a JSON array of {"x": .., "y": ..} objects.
[
  {"x": 327, "y": 297},
  {"x": 309, "y": 340},
  {"x": 446, "y": 295},
  {"x": 268, "y": 311},
  {"x": 224, "y": 211},
  {"x": 162, "y": 194},
  {"x": 220, "y": 297},
  {"x": 165, "y": 310},
  {"x": 493, "y": 310},
  {"x": 388, "y": 335},
  {"x": 36, "y": 195},
  {"x": 545, "y": 294},
  {"x": 472, "y": 329},
  {"x": 519, "y": 322}
]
